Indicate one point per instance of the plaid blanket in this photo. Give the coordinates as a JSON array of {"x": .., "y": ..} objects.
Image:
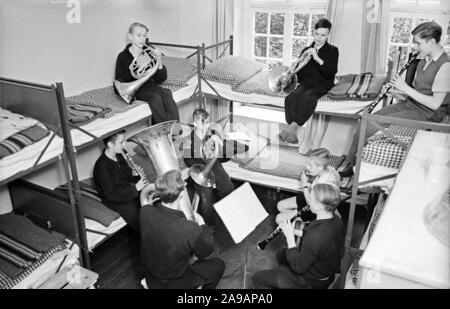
[
  {"x": 365, "y": 86},
  {"x": 22, "y": 139}
]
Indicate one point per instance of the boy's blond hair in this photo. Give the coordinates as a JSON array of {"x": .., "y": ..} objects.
[
  {"x": 321, "y": 156},
  {"x": 136, "y": 25},
  {"x": 327, "y": 194},
  {"x": 169, "y": 186}
]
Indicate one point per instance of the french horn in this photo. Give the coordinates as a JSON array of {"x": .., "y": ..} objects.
[{"x": 143, "y": 67}]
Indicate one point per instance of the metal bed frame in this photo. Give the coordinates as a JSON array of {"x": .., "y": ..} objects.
[{"x": 352, "y": 252}]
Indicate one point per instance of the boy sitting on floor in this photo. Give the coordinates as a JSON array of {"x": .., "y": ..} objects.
[{"x": 314, "y": 262}]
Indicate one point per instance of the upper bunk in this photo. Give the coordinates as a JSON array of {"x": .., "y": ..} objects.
[{"x": 31, "y": 127}]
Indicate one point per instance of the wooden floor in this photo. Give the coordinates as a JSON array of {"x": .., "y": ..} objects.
[{"x": 117, "y": 261}]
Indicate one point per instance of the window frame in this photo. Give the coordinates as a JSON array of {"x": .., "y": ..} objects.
[{"x": 289, "y": 8}]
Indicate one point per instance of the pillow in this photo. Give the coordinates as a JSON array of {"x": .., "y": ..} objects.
[
  {"x": 232, "y": 70},
  {"x": 179, "y": 70}
]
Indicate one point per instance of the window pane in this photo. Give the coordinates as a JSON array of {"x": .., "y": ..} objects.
[
  {"x": 260, "y": 46},
  {"x": 297, "y": 46},
  {"x": 261, "y": 22},
  {"x": 315, "y": 19},
  {"x": 403, "y": 54},
  {"x": 402, "y": 30},
  {"x": 277, "y": 23},
  {"x": 301, "y": 24},
  {"x": 276, "y": 48}
]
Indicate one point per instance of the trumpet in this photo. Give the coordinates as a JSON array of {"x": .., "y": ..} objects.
[
  {"x": 381, "y": 95},
  {"x": 284, "y": 79},
  {"x": 262, "y": 244}
]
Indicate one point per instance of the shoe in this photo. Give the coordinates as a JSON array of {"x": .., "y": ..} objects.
[
  {"x": 292, "y": 139},
  {"x": 283, "y": 136},
  {"x": 347, "y": 171}
]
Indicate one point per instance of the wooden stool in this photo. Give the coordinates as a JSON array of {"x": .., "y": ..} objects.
[{"x": 75, "y": 277}]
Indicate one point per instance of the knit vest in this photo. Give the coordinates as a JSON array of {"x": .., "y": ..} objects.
[{"x": 425, "y": 78}]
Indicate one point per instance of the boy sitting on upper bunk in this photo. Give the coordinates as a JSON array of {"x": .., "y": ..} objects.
[
  {"x": 115, "y": 182},
  {"x": 175, "y": 250},
  {"x": 319, "y": 170},
  {"x": 193, "y": 154},
  {"x": 159, "y": 99},
  {"x": 429, "y": 97},
  {"x": 313, "y": 264}
]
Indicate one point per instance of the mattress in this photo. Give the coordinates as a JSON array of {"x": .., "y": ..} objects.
[
  {"x": 323, "y": 105},
  {"x": 49, "y": 268},
  {"x": 102, "y": 126},
  {"x": 25, "y": 158},
  {"x": 94, "y": 239}
]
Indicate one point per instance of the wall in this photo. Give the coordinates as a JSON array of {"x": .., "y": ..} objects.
[{"x": 38, "y": 43}]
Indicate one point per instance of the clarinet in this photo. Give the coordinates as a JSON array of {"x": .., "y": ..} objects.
[
  {"x": 262, "y": 244},
  {"x": 386, "y": 90},
  {"x": 136, "y": 167}
]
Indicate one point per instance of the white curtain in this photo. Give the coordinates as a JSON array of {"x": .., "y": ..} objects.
[
  {"x": 223, "y": 23},
  {"x": 374, "y": 39},
  {"x": 334, "y": 15}
]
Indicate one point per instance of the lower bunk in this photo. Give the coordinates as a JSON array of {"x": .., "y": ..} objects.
[{"x": 37, "y": 239}]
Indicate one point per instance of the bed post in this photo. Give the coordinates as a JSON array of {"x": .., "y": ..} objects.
[
  {"x": 230, "y": 108},
  {"x": 74, "y": 193},
  {"x": 348, "y": 236},
  {"x": 199, "y": 76}
]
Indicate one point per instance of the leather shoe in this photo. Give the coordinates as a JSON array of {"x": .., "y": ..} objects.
[
  {"x": 292, "y": 139},
  {"x": 283, "y": 136}
]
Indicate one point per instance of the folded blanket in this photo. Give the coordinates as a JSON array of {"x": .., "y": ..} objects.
[
  {"x": 365, "y": 86},
  {"x": 92, "y": 206},
  {"x": 14, "y": 245},
  {"x": 12, "y": 264},
  {"x": 7, "y": 282},
  {"x": 82, "y": 113},
  {"x": 104, "y": 97},
  {"x": 20, "y": 140},
  {"x": 26, "y": 232},
  {"x": 12, "y": 123}
]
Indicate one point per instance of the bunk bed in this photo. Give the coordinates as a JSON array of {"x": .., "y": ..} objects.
[
  {"x": 349, "y": 268},
  {"x": 19, "y": 101}
]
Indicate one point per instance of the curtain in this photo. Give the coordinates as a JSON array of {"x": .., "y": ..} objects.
[
  {"x": 334, "y": 15},
  {"x": 223, "y": 23},
  {"x": 374, "y": 39}
]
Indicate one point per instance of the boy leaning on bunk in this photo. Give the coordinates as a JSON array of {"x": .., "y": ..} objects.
[
  {"x": 428, "y": 99},
  {"x": 115, "y": 182},
  {"x": 319, "y": 169},
  {"x": 313, "y": 264}
]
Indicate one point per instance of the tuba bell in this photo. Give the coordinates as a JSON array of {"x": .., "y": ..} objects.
[
  {"x": 157, "y": 143},
  {"x": 143, "y": 67}
]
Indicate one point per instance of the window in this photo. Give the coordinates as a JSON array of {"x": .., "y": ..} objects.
[
  {"x": 282, "y": 28},
  {"x": 405, "y": 15}
]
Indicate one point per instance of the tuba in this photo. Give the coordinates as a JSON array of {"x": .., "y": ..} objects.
[
  {"x": 157, "y": 143},
  {"x": 143, "y": 67},
  {"x": 283, "y": 79}
]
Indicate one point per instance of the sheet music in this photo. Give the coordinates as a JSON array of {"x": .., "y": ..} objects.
[{"x": 241, "y": 212}]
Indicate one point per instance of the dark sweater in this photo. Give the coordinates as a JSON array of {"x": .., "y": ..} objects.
[
  {"x": 115, "y": 181},
  {"x": 319, "y": 254},
  {"x": 313, "y": 74},
  {"x": 169, "y": 240},
  {"x": 123, "y": 73}
]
